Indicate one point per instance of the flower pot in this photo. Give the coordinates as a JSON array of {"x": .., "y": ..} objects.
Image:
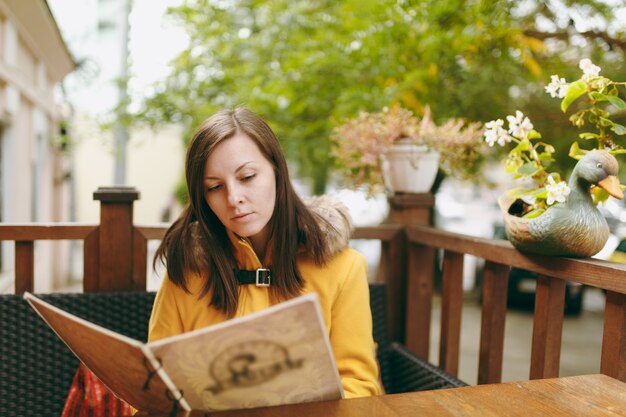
[
  {"x": 409, "y": 168},
  {"x": 573, "y": 232}
]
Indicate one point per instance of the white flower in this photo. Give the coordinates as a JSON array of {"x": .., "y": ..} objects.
[
  {"x": 494, "y": 132},
  {"x": 589, "y": 70},
  {"x": 519, "y": 125},
  {"x": 556, "y": 191},
  {"x": 557, "y": 87},
  {"x": 529, "y": 200}
]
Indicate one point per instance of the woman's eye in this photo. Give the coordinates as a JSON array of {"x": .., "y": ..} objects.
[
  {"x": 248, "y": 177},
  {"x": 213, "y": 188}
]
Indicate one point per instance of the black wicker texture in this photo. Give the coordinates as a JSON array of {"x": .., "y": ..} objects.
[
  {"x": 410, "y": 373},
  {"x": 36, "y": 368},
  {"x": 400, "y": 369},
  {"x": 378, "y": 305}
]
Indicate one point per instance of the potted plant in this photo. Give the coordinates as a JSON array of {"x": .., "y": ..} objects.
[
  {"x": 395, "y": 150},
  {"x": 548, "y": 215}
]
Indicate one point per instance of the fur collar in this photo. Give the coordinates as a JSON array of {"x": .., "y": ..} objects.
[{"x": 334, "y": 221}]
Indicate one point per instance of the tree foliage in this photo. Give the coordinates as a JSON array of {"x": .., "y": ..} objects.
[{"x": 307, "y": 64}]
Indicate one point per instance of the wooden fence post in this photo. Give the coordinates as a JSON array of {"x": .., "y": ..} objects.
[
  {"x": 410, "y": 209},
  {"x": 114, "y": 271}
]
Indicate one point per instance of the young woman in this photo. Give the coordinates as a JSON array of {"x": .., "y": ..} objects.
[{"x": 243, "y": 214}]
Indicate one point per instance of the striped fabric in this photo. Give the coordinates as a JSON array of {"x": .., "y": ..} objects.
[{"x": 88, "y": 397}]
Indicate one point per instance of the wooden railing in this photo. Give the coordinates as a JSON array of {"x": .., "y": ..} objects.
[
  {"x": 499, "y": 256},
  {"x": 115, "y": 258}
]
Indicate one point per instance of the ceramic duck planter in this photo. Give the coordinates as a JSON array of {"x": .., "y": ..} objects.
[{"x": 575, "y": 227}]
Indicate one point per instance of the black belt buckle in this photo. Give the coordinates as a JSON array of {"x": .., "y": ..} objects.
[{"x": 263, "y": 278}]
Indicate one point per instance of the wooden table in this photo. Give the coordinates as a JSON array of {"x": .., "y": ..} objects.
[{"x": 586, "y": 395}]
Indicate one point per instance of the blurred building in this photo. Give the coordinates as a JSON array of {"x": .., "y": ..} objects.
[{"x": 33, "y": 60}]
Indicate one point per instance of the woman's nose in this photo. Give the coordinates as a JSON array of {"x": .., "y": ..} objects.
[{"x": 235, "y": 195}]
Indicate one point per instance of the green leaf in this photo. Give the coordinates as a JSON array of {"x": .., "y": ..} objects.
[
  {"x": 618, "y": 129},
  {"x": 598, "y": 96},
  {"x": 510, "y": 167},
  {"x": 617, "y": 102},
  {"x": 588, "y": 135},
  {"x": 520, "y": 192},
  {"x": 528, "y": 169},
  {"x": 546, "y": 157},
  {"x": 605, "y": 122},
  {"x": 534, "y": 135},
  {"x": 575, "y": 90},
  {"x": 522, "y": 146},
  {"x": 599, "y": 195},
  {"x": 575, "y": 151},
  {"x": 533, "y": 214},
  {"x": 540, "y": 193},
  {"x": 617, "y": 151}
]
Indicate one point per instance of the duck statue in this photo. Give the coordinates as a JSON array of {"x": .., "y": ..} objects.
[{"x": 574, "y": 228}]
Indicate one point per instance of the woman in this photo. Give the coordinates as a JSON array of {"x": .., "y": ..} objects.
[{"x": 243, "y": 214}]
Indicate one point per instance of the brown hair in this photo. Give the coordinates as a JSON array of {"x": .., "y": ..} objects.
[{"x": 197, "y": 241}]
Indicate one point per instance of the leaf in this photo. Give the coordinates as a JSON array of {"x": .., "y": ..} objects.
[
  {"x": 588, "y": 135},
  {"x": 599, "y": 194},
  {"x": 534, "y": 214},
  {"x": 534, "y": 135},
  {"x": 598, "y": 96},
  {"x": 618, "y": 129},
  {"x": 528, "y": 169},
  {"x": 617, "y": 102},
  {"x": 605, "y": 122},
  {"x": 540, "y": 193},
  {"x": 617, "y": 151},
  {"x": 575, "y": 151},
  {"x": 523, "y": 145},
  {"x": 520, "y": 192},
  {"x": 546, "y": 157},
  {"x": 510, "y": 167},
  {"x": 575, "y": 90}
]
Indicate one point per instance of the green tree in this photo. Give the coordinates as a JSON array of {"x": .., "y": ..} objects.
[{"x": 306, "y": 64}]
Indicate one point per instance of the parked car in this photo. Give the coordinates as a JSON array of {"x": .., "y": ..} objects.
[{"x": 522, "y": 287}]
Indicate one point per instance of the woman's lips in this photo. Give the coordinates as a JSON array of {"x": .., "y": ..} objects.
[{"x": 241, "y": 218}]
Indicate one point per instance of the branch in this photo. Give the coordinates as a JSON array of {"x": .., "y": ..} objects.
[{"x": 591, "y": 34}]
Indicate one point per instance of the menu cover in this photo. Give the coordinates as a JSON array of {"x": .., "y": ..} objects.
[{"x": 280, "y": 355}]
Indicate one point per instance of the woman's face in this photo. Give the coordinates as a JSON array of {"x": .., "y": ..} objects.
[{"x": 240, "y": 188}]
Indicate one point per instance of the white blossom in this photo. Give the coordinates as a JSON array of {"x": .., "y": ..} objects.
[
  {"x": 557, "y": 192},
  {"x": 589, "y": 69},
  {"x": 494, "y": 132},
  {"x": 519, "y": 125},
  {"x": 557, "y": 87}
]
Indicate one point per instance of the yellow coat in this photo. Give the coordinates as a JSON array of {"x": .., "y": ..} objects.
[{"x": 343, "y": 292}]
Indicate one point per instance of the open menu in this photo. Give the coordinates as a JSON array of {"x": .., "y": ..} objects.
[{"x": 280, "y": 355}]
